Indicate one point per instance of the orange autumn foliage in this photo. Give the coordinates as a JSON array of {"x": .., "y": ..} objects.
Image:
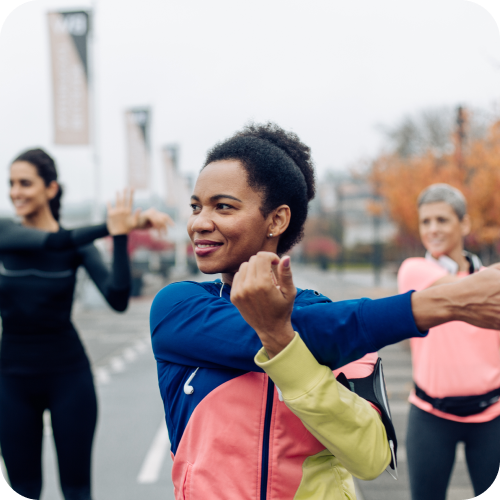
[{"x": 399, "y": 181}]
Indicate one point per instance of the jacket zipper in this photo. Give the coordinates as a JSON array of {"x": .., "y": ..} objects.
[{"x": 265, "y": 439}]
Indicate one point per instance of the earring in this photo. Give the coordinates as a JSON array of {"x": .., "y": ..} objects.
[{"x": 270, "y": 235}]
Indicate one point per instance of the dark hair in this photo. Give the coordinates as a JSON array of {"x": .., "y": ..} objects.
[
  {"x": 279, "y": 165},
  {"x": 46, "y": 169}
]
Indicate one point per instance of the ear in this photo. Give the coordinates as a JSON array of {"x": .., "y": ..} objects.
[
  {"x": 52, "y": 189},
  {"x": 280, "y": 219},
  {"x": 465, "y": 224}
]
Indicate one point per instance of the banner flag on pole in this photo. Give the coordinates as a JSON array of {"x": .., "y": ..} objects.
[
  {"x": 68, "y": 33},
  {"x": 178, "y": 189},
  {"x": 170, "y": 163},
  {"x": 137, "y": 123}
]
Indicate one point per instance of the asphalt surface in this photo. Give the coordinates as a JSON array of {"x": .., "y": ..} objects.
[{"x": 131, "y": 450}]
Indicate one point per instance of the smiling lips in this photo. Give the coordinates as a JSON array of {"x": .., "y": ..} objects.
[{"x": 205, "y": 247}]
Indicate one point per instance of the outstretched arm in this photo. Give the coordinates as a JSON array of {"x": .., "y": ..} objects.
[
  {"x": 15, "y": 237},
  {"x": 474, "y": 299},
  {"x": 263, "y": 291}
]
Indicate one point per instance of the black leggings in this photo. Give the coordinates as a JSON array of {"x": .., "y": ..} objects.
[
  {"x": 71, "y": 399},
  {"x": 431, "y": 444}
]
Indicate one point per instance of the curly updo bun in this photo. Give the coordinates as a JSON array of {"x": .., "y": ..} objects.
[{"x": 278, "y": 165}]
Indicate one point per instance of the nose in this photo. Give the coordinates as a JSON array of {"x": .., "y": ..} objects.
[
  {"x": 433, "y": 226},
  {"x": 202, "y": 222},
  {"x": 14, "y": 191}
]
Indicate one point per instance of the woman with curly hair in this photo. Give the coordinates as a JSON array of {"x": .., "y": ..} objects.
[{"x": 245, "y": 363}]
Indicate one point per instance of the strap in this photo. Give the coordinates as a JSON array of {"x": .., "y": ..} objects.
[
  {"x": 461, "y": 406},
  {"x": 372, "y": 388}
]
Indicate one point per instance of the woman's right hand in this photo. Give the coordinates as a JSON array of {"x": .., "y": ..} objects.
[{"x": 264, "y": 293}]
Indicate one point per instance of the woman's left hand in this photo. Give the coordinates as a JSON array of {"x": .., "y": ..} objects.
[
  {"x": 264, "y": 293},
  {"x": 154, "y": 219}
]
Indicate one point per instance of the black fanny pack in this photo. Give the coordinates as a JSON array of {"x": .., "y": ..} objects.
[{"x": 461, "y": 406}]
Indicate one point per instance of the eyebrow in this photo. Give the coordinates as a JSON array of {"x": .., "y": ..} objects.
[{"x": 217, "y": 197}]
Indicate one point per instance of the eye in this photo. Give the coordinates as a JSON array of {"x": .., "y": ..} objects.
[
  {"x": 195, "y": 207},
  {"x": 224, "y": 206}
]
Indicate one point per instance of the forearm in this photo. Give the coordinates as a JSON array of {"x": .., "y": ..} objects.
[
  {"x": 113, "y": 284},
  {"x": 64, "y": 240},
  {"x": 121, "y": 278},
  {"x": 117, "y": 289},
  {"x": 474, "y": 300},
  {"x": 343, "y": 422}
]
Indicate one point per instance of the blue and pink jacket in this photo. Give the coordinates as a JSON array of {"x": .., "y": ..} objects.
[{"x": 230, "y": 436}]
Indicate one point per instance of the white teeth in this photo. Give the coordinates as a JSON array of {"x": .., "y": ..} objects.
[{"x": 206, "y": 246}]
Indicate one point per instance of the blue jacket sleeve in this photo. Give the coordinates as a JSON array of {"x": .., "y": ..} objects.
[{"x": 190, "y": 326}]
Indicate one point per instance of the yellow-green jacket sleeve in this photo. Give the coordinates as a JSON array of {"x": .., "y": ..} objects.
[{"x": 346, "y": 424}]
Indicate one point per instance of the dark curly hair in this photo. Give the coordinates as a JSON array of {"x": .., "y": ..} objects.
[
  {"x": 46, "y": 169},
  {"x": 279, "y": 165}
]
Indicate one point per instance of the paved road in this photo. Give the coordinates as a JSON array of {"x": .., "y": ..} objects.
[{"x": 131, "y": 457}]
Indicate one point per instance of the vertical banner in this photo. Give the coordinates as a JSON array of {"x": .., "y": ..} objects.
[
  {"x": 137, "y": 123},
  {"x": 170, "y": 162},
  {"x": 68, "y": 32},
  {"x": 178, "y": 189}
]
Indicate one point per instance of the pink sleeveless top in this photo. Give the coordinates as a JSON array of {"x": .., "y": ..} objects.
[{"x": 455, "y": 359}]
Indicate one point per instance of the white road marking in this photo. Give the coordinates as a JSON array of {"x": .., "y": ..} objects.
[
  {"x": 3, "y": 469},
  {"x": 129, "y": 354},
  {"x": 150, "y": 471},
  {"x": 47, "y": 423},
  {"x": 140, "y": 346},
  {"x": 102, "y": 375},
  {"x": 117, "y": 364}
]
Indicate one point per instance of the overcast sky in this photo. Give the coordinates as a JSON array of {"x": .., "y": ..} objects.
[{"x": 330, "y": 70}]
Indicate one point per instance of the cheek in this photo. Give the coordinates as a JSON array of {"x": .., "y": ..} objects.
[{"x": 245, "y": 229}]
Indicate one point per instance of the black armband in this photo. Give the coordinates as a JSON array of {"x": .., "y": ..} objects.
[{"x": 372, "y": 388}]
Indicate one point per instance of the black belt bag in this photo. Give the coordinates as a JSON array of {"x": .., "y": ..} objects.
[{"x": 461, "y": 406}]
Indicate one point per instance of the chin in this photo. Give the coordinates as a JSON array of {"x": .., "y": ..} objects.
[{"x": 207, "y": 267}]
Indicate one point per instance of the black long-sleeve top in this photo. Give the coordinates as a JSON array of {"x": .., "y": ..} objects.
[{"x": 37, "y": 283}]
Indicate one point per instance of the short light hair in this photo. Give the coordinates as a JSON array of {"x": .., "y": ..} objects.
[{"x": 444, "y": 192}]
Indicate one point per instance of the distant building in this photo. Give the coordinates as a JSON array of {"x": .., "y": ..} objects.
[{"x": 348, "y": 198}]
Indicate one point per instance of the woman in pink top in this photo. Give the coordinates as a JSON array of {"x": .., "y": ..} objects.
[{"x": 456, "y": 368}]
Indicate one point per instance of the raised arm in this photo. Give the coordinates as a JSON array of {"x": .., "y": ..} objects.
[
  {"x": 114, "y": 284},
  {"x": 15, "y": 237}
]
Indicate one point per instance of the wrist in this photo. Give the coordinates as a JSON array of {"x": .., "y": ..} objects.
[
  {"x": 277, "y": 340},
  {"x": 435, "y": 306}
]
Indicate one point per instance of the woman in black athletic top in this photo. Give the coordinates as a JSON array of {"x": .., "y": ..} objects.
[{"x": 43, "y": 364}]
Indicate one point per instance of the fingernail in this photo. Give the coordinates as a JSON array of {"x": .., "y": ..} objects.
[{"x": 286, "y": 262}]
